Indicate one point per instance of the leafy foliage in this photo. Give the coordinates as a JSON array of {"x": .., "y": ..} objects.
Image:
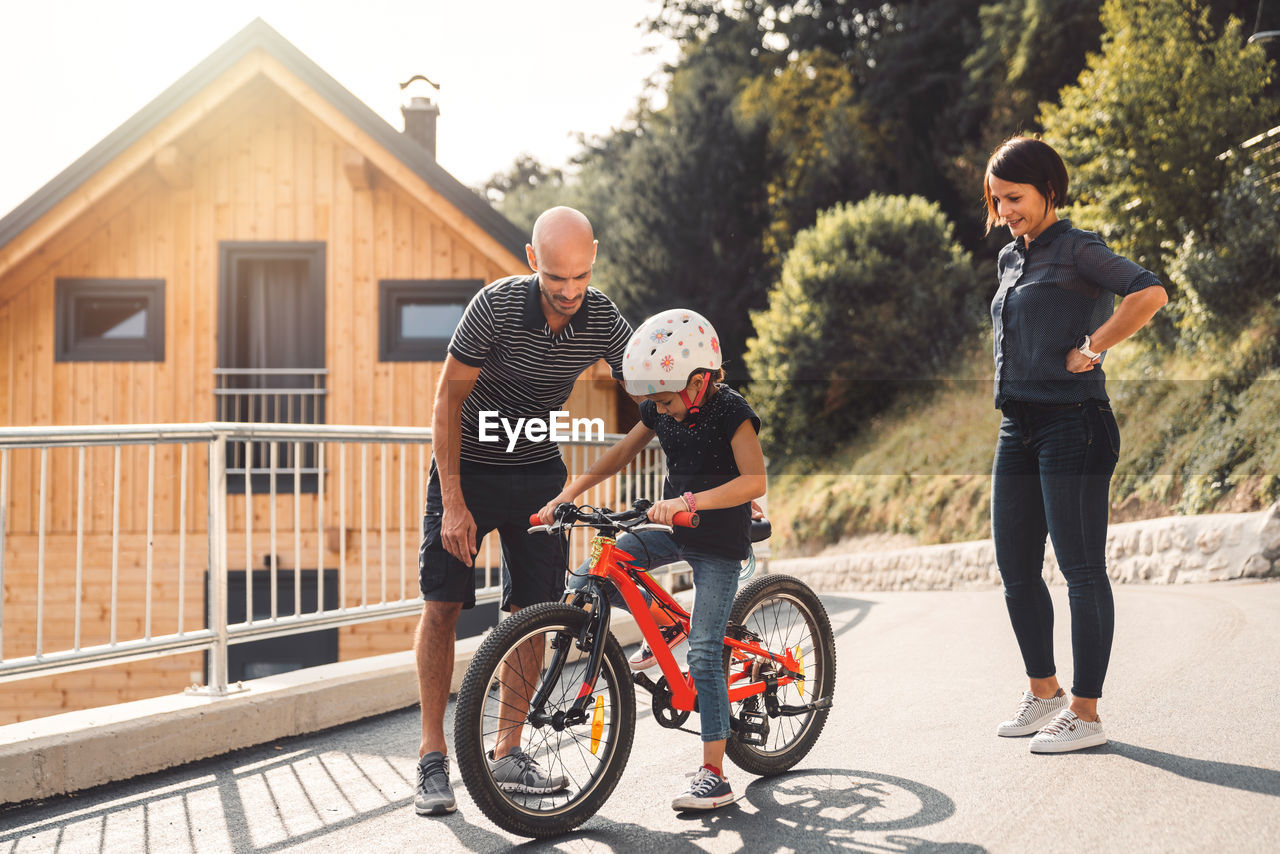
[
  {"x": 1230, "y": 267},
  {"x": 874, "y": 295},
  {"x": 1142, "y": 129},
  {"x": 823, "y": 146},
  {"x": 525, "y": 190},
  {"x": 777, "y": 111},
  {"x": 849, "y": 30},
  {"x": 688, "y": 208},
  {"x": 1027, "y": 51}
]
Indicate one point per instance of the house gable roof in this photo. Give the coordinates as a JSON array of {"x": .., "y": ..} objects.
[{"x": 258, "y": 35}]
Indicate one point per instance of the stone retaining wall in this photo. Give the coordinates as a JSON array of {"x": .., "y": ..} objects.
[{"x": 1176, "y": 549}]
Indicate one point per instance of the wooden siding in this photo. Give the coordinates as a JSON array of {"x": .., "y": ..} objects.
[{"x": 265, "y": 163}]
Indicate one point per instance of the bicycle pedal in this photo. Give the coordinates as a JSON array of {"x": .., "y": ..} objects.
[
  {"x": 742, "y": 633},
  {"x": 815, "y": 706},
  {"x": 751, "y": 727}
]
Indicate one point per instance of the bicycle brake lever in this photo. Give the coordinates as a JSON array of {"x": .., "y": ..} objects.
[{"x": 653, "y": 526}]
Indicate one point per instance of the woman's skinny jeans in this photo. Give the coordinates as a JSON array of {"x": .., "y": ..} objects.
[
  {"x": 715, "y": 581},
  {"x": 1052, "y": 476}
]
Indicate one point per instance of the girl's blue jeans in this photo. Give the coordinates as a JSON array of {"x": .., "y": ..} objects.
[
  {"x": 715, "y": 581},
  {"x": 1052, "y": 477}
]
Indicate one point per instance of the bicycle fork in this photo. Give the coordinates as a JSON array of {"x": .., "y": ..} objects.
[{"x": 591, "y": 639}]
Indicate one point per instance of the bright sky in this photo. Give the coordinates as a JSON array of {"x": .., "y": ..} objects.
[{"x": 516, "y": 75}]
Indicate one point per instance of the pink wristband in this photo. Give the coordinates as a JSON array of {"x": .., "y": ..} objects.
[{"x": 689, "y": 502}]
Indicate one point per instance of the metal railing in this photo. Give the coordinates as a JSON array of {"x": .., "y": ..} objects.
[
  {"x": 105, "y": 530},
  {"x": 270, "y": 396}
]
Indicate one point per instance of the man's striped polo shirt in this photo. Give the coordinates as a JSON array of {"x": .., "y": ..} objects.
[{"x": 525, "y": 370}]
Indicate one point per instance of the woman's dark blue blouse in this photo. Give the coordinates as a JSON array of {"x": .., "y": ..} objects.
[{"x": 1051, "y": 293}]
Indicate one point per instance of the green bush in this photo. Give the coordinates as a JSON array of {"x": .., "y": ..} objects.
[
  {"x": 874, "y": 296},
  {"x": 1230, "y": 268}
]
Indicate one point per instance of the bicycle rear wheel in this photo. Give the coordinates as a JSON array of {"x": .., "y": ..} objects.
[
  {"x": 786, "y": 615},
  {"x": 535, "y": 647}
]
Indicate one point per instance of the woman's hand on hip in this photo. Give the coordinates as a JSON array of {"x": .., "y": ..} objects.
[{"x": 1079, "y": 363}]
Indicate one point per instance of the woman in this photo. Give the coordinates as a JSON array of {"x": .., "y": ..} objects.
[{"x": 1055, "y": 318}]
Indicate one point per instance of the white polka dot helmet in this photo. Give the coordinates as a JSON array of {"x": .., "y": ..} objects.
[{"x": 666, "y": 349}]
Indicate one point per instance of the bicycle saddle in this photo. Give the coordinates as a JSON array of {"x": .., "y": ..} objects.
[{"x": 760, "y": 530}]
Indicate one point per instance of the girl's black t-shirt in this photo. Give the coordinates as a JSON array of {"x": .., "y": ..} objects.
[{"x": 701, "y": 458}]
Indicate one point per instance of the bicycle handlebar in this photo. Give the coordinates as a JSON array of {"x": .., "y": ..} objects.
[
  {"x": 685, "y": 519},
  {"x": 624, "y": 519}
]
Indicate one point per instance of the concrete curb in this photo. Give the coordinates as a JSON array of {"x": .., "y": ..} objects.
[{"x": 79, "y": 750}]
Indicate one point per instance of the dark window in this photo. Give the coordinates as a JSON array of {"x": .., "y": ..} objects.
[
  {"x": 271, "y": 357},
  {"x": 109, "y": 320},
  {"x": 416, "y": 317},
  {"x": 256, "y": 659}
]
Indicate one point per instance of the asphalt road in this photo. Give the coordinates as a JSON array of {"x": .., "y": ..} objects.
[{"x": 908, "y": 763}]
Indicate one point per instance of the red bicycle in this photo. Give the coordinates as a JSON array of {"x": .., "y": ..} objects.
[{"x": 552, "y": 680}]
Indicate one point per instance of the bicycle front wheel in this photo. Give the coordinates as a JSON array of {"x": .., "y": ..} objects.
[
  {"x": 787, "y": 616},
  {"x": 578, "y": 764}
]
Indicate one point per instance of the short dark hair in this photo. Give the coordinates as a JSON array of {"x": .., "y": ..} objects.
[{"x": 1022, "y": 160}]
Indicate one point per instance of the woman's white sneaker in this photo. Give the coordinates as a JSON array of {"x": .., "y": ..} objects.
[
  {"x": 1066, "y": 732},
  {"x": 1033, "y": 713}
]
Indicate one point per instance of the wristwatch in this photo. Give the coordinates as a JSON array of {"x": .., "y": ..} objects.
[{"x": 1083, "y": 346}]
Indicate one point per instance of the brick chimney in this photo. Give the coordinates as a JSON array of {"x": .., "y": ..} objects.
[{"x": 420, "y": 122}]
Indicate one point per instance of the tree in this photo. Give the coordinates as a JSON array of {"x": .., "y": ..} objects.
[
  {"x": 688, "y": 207},
  {"x": 1230, "y": 266},
  {"x": 525, "y": 190},
  {"x": 1027, "y": 51},
  {"x": 1143, "y": 128},
  {"x": 848, "y": 30},
  {"x": 875, "y": 294},
  {"x": 823, "y": 145}
]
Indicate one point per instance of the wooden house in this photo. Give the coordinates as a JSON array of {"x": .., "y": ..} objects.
[{"x": 254, "y": 229}]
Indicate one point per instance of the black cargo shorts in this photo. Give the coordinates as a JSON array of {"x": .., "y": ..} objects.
[{"x": 500, "y": 498}]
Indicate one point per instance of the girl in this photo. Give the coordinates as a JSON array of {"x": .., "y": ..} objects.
[
  {"x": 715, "y": 467},
  {"x": 1055, "y": 316}
]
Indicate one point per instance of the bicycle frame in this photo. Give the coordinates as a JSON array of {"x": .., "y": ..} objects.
[{"x": 611, "y": 565}]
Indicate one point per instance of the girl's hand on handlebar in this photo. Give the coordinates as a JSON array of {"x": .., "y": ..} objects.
[
  {"x": 664, "y": 511},
  {"x": 547, "y": 514}
]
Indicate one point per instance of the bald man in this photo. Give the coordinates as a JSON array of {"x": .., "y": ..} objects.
[{"x": 520, "y": 346}]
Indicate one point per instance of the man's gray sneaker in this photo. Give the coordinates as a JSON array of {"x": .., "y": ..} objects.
[
  {"x": 518, "y": 772},
  {"x": 435, "y": 797},
  {"x": 1033, "y": 712}
]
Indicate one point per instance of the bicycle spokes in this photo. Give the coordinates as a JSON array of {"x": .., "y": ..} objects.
[
  {"x": 777, "y": 725},
  {"x": 576, "y": 743}
]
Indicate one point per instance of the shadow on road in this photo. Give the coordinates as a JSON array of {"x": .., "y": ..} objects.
[
  {"x": 809, "y": 810},
  {"x": 845, "y": 612},
  {"x": 1247, "y": 778}
]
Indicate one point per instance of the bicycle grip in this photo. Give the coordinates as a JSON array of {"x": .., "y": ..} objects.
[
  {"x": 534, "y": 520},
  {"x": 685, "y": 519}
]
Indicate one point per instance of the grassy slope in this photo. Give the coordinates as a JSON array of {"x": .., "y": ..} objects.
[{"x": 1200, "y": 433}]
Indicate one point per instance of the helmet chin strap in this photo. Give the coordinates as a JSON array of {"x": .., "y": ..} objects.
[{"x": 694, "y": 406}]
